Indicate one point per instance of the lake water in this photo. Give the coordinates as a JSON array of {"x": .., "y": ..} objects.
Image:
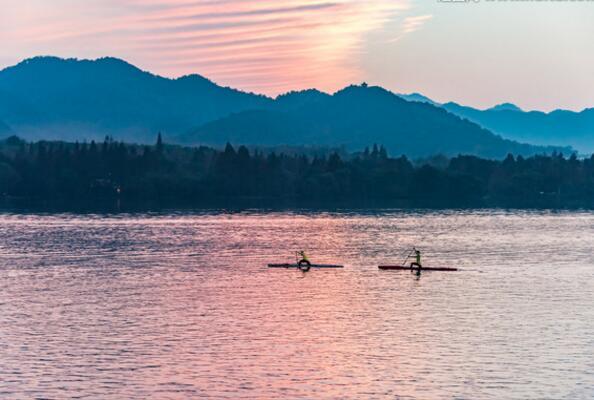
[{"x": 181, "y": 305}]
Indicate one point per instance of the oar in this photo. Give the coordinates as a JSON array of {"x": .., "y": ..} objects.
[{"x": 407, "y": 257}]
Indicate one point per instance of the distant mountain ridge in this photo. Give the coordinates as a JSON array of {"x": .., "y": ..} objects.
[
  {"x": 571, "y": 128},
  {"x": 71, "y": 99},
  {"x": 418, "y": 98},
  {"x": 505, "y": 107},
  {"x": 48, "y": 97},
  {"x": 355, "y": 117},
  {"x": 575, "y": 129}
]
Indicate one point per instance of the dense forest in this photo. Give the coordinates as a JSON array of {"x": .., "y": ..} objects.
[{"x": 76, "y": 173}]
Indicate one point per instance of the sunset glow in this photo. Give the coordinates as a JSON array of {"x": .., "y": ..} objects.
[
  {"x": 265, "y": 46},
  {"x": 437, "y": 48}
]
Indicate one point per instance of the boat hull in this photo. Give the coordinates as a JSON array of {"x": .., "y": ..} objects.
[
  {"x": 405, "y": 268},
  {"x": 304, "y": 266}
]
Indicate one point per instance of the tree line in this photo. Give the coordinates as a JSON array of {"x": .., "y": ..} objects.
[{"x": 170, "y": 174}]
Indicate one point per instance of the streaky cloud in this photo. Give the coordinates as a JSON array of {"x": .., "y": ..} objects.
[{"x": 293, "y": 41}]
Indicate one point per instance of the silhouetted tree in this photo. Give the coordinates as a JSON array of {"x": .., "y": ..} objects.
[
  {"x": 74, "y": 171},
  {"x": 159, "y": 146}
]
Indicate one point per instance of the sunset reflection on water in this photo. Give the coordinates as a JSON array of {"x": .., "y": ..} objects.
[{"x": 182, "y": 305}]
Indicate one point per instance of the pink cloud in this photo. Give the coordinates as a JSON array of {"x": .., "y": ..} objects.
[{"x": 266, "y": 45}]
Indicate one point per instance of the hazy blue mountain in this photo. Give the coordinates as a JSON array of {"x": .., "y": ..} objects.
[
  {"x": 570, "y": 128},
  {"x": 355, "y": 117},
  {"x": 559, "y": 127},
  {"x": 418, "y": 98},
  {"x": 505, "y": 107},
  {"x": 53, "y": 98}
]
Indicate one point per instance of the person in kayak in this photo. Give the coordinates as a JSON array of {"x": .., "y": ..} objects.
[
  {"x": 304, "y": 259},
  {"x": 417, "y": 262}
]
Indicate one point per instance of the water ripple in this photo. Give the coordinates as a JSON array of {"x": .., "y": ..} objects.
[{"x": 180, "y": 305}]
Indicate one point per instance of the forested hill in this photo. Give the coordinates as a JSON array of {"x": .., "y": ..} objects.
[
  {"x": 354, "y": 117},
  {"x": 171, "y": 175},
  {"x": 55, "y": 99}
]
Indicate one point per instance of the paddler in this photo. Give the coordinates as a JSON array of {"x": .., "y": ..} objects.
[
  {"x": 304, "y": 258},
  {"x": 417, "y": 262}
]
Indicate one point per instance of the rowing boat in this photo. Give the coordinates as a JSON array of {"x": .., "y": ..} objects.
[
  {"x": 304, "y": 266},
  {"x": 409, "y": 268}
]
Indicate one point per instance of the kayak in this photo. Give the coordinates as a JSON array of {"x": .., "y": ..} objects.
[
  {"x": 304, "y": 266},
  {"x": 409, "y": 268}
]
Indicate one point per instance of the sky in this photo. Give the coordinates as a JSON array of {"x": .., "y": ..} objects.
[{"x": 536, "y": 54}]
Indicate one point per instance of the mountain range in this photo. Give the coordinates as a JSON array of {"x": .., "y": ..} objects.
[
  {"x": 70, "y": 99},
  {"x": 571, "y": 128},
  {"x": 355, "y": 117},
  {"x": 53, "y": 98}
]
